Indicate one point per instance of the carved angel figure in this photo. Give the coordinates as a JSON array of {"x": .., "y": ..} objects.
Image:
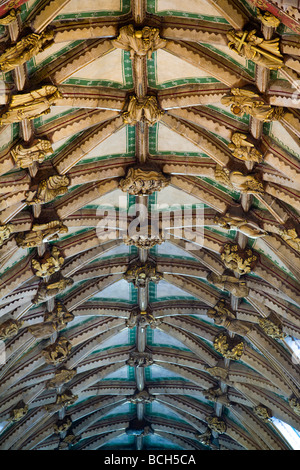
[
  {"x": 25, "y": 49},
  {"x": 247, "y": 102},
  {"x": 261, "y": 51},
  {"x": 29, "y": 105},
  {"x": 244, "y": 150},
  {"x": 41, "y": 233},
  {"x": 141, "y": 181},
  {"x": 139, "y": 42},
  {"x": 9, "y": 328},
  {"x": 26, "y": 156},
  {"x": 140, "y": 275},
  {"x": 246, "y": 183},
  {"x": 61, "y": 377},
  {"x": 229, "y": 349},
  {"x": 59, "y": 315},
  {"x": 48, "y": 189},
  {"x": 249, "y": 228},
  {"x": 142, "y": 319},
  {"x": 216, "y": 424},
  {"x": 142, "y": 109}
]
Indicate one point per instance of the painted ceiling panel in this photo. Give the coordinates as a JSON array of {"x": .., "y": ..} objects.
[{"x": 119, "y": 331}]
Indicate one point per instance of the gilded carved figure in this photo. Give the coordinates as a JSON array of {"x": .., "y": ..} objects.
[
  {"x": 215, "y": 394},
  {"x": 239, "y": 261},
  {"x": 58, "y": 351},
  {"x": 235, "y": 286},
  {"x": 243, "y": 225},
  {"x": 139, "y": 359},
  {"x": 143, "y": 241},
  {"x": 291, "y": 237},
  {"x": 5, "y": 232},
  {"x": 228, "y": 348},
  {"x": 24, "y": 156},
  {"x": 223, "y": 316},
  {"x": 18, "y": 412},
  {"x": 244, "y": 101},
  {"x": 142, "y": 319},
  {"x": 10, "y": 17},
  {"x": 41, "y": 233},
  {"x": 141, "y": 397},
  {"x": 141, "y": 274},
  {"x": 294, "y": 403},
  {"x": 218, "y": 372},
  {"x": 29, "y": 105},
  {"x": 59, "y": 315},
  {"x": 26, "y": 48},
  {"x": 64, "y": 399},
  {"x": 142, "y": 109},
  {"x": 216, "y": 424},
  {"x": 272, "y": 326},
  {"x": 62, "y": 425},
  {"x": 244, "y": 150},
  {"x": 237, "y": 181},
  {"x": 48, "y": 189},
  {"x": 48, "y": 264},
  {"x": 205, "y": 438},
  {"x": 263, "y": 52},
  {"x": 62, "y": 376},
  {"x": 263, "y": 413},
  {"x": 141, "y": 181},
  {"x": 267, "y": 18},
  {"x": 139, "y": 42},
  {"x": 48, "y": 290},
  {"x": 9, "y": 328}
]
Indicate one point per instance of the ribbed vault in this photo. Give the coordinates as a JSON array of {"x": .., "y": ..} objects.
[{"x": 150, "y": 236}]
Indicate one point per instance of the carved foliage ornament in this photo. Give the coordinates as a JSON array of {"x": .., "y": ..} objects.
[
  {"x": 262, "y": 412},
  {"x": 263, "y": 52},
  {"x": 244, "y": 101},
  {"x": 139, "y": 42},
  {"x": 29, "y": 105},
  {"x": 291, "y": 237},
  {"x": 230, "y": 349},
  {"x": 25, "y": 156},
  {"x": 144, "y": 242},
  {"x": 239, "y": 261},
  {"x": 140, "y": 181}
]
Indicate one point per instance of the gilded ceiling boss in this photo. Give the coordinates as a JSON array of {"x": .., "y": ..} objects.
[{"x": 261, "y": 51}]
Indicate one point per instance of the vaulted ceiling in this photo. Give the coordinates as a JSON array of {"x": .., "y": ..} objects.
[{"x": 143, "y": 115}]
